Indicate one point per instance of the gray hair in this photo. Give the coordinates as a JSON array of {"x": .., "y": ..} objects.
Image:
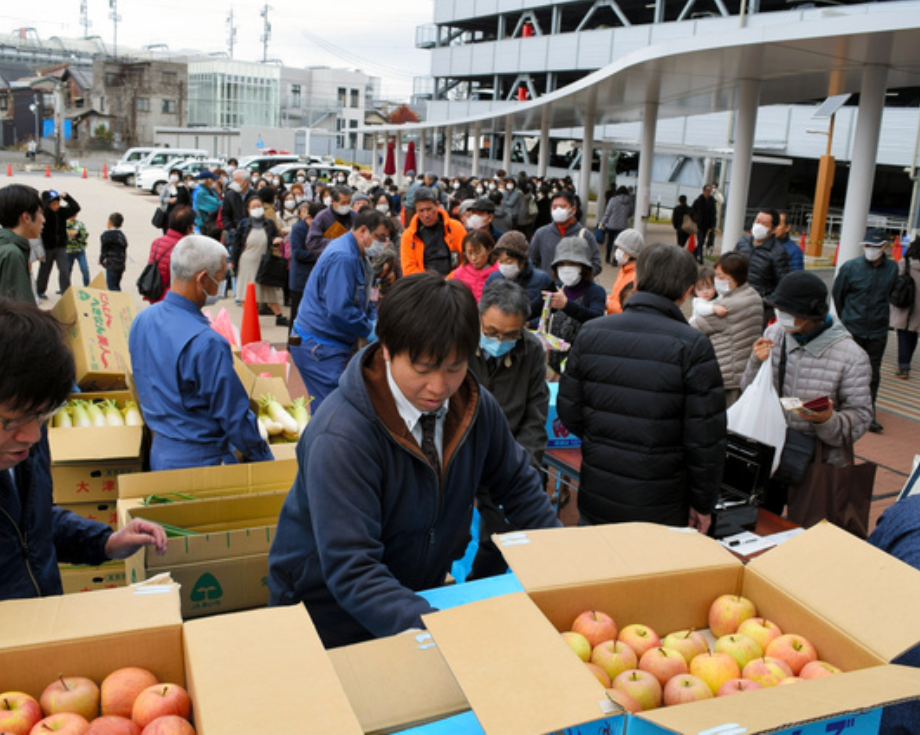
[
  {"x": 666, "y": 270},
  {"x": 240, "y": 175},
  {"x": 507, "y": 297},
  {"x": 338, "y": 192},
  {"x": 196, "y": 253}
]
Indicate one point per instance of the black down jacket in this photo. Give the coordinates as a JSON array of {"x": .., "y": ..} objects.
[
  {"x": 769, "y": 262},
  {"x": 644, "y": 392}
]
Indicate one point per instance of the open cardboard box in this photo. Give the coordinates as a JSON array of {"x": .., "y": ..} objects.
[
  {"x": 275, "y": 655},
  {"x": 83, "y": 578},
  {"x": 848, "y": 598}
]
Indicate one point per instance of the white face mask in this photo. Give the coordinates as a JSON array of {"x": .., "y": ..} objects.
[
  {"x": 570, "y": 275},
  {"x": 560, "y": 214},
  {"x": 173, "y": 179},
  {"x": 491, "y": 187},
  {"x": 760, "y": 232},
  {"x": 509, "y": 270},
  {"x": 341, "y": 209},
  {"x": 622, "y": 256},
  {"x": 383, "y": 209},
  {"x": 301, "y": 179},
  {"x": 257, "y": 213},
  {"x": 298, "y": 198},
  {"x": 873, "y": 254},
  {"x": 476, "y": 222},
  {"x": 786, "y": 321},
  {"x": 327, "y": 201},
  {"x": 722, "y": 286},
  {"x": 289, "y": 205},
  {"x": 479, "y": 190},
  {"x": 509, "y": 187},
  {"x": 455, "y": 185},
  {"x": 235, "y": 186}
]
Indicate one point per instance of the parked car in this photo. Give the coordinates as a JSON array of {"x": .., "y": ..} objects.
[
  {"x": 261, "y": 164},
  {"x": 125, "y": 165},
  {"x": 325, "y": 172},
  {"x": 161, "y": 157},
  {"x": 154, "y": 179}
]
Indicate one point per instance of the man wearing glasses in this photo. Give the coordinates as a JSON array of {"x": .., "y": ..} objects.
[
  {"x": 337, "y": 310},
  {"x": 38, "y": 373}
]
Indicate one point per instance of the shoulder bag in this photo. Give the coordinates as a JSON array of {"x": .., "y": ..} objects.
[
  {"x": 904, "y": 292},
  {"x": 159, "y": 218},
  {"x": 799, "y": 448},
  {"x": 689, "y": 226},
  {"x": 150, "y": 282}
]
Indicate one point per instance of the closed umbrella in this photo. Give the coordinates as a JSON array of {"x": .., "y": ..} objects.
[
  {"x": 410, "y": 158},
  {"x": 389, "y": 167}
]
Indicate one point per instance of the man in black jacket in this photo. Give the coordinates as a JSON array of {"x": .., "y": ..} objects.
[
  {"x": 704, "y": 214},
  {"x": 59, "y": 207},
  {"x": 644, "y": 392},
  {"x": 769, "y": 260}
]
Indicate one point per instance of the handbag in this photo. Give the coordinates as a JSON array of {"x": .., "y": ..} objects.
[
  {"x": 799, "y": 448},
  {"x": 904, "y": 292},
  {"x": 272, "y": 271},
  {"x": 159, "y": 218},
  {"x": 689, "y": 226},
  {"x": 841, "y": 495},
  {"x": 150, "y": 282}
]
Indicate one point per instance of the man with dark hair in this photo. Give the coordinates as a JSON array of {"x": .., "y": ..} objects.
[
  {"x": 547, "y": 238},
  {"x": 769, "y": 259},
  {"x": 336, "y": 309},
  {"x": 21, "y": 220},
  {"x": 389, "y": 467},
  {"x": 35, "y": 534},
  {"x": 644, "y": 391},
  {"x": 333, "y": 222},
  {"x": 704, "y": 214},
  {"x": 59, "y": 207},
  {"x": 796, "y": 256},
  {"x": 432, "y": 241}
]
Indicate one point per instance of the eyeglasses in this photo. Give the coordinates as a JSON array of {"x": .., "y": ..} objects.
[
  {"x": 506, "y": 337},
  {"x": 20, "y": 422}
]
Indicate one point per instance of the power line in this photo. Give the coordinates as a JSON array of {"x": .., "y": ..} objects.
[{"x": 354, "y": 59}]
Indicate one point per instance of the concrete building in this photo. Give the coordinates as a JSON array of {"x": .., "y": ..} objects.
[{"x": 230, "y": 93}]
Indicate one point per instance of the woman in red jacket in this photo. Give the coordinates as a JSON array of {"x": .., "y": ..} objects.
[{"x": 181, "y": 223}]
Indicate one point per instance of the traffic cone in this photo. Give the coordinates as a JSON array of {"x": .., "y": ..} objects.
[
  {"x": 84, "y": 172},
  {"x": 9, "y": 169},
  {"x": 896, "y": 250},
  {"x": 836, "y": 253},
  {"x": 691, "y": 244},
  {"x": 47, "y": 172},
  {"x": 105, "y": 171},
  {"x": 250, "y": 331},
  {"x": 802, "y": 242}
]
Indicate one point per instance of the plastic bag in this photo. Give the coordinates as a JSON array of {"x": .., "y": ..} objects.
[
  {"x": 224, "y": 327},
  {"x": 255, "y": 353},
  {"x": 759, "y": 415}
]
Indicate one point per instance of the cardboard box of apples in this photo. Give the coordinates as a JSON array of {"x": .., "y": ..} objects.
[{"x": 835, "y": 598}]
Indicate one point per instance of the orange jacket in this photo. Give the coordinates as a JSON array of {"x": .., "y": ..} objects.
[
  {"x": 626, "y": 277},
  {"x": 412, "y": 249}
]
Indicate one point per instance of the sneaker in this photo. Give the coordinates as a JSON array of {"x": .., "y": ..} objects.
[
  {"x": 903, "y": 374},
  {"x": 281, "y": 321},
  {"x": 265, "y": 311},
  {"x": 876, "y": 428},
  {"x": 43, "y": 297}
]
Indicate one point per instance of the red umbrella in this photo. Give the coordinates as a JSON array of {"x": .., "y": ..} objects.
[
  {"x": 410, "y": 158},
  {"x": 389, "y": 168}
]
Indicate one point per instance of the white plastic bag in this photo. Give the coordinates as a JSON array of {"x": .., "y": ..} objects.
[{"x": 759, "y": 415}]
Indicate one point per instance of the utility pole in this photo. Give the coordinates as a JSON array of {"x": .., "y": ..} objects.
[
  {"x": 231, "y": 33},
  {"x": 113, "y": 4},
  {"x": 84, "y": 17},
  {"x": 266, "y": 31}
]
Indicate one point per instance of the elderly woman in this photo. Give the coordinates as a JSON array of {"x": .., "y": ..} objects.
[
  {"x": 629, "y": 243},
  {"x": 733, "y": 335},
  {"x": 514, "y": 265}
]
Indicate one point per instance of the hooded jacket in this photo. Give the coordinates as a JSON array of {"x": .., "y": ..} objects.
[
  {"x": 15, "y": 282},
  {"x": 369, "y": 522}
]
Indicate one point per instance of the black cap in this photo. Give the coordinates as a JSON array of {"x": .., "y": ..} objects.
[
  {"x": 801, "y": 294},
  {"x": 876, "y": 237},
  {"x": 483, "y": 204}
]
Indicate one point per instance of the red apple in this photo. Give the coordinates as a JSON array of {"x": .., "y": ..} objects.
[
  {"x": 595, "y": 626},
  {"x": 761, "y": 630},
  {"x": 685, "y": 688},
  {"x": 641, "y": 686},
  {"x": 663, "y": 664},
  {"x": 599, "y": 674},
  {"x": 75, "y": 694},
  {"x": 63, "y": 723},
  {"x": 740, "y": 647},
  {"x": 794, "y": 650},
  {"x": 639, "y": 638},
  {"x": 169, "y": 725},
  {"x": 818, "y": 670},
  {"x": 614, "y": 657},
  {"x": 736, "y": 686},
  {"x": 715, "y": 669},
  {"x": 578, "y": 643},
  {"x": 728, "y": 612},
  {"x": 766, "y": 671},
  {"x": 120, "y": 689},
  {"x": 18, "y": 713},
  {"x": 689, "y": 643},
  {"x": 113, "y": 725},
  {"x": 161, "y": 700},
  {"x": 624, "y": 700}
]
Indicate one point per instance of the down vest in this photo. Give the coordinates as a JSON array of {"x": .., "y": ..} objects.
[
  {"x": 830, "y": 365},
  {"x": 643, "y": 391},
  {"x": 769, "y": 262},
  {"x": 734, "y": 335}
]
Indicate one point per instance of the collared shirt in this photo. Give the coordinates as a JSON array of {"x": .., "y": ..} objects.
[{"x": 411, "y": 415}]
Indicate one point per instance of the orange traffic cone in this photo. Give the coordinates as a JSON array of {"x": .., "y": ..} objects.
[
  {"x": 250, "y": 331},
  {"x": 47, "y": 172},
  {"x": 9, "y": 169},
  {"x": 84, "y": 172},
  {"x": 896, "y": 250},
  {"x": 691, "y": 244},
  {"x": 836, "y": 253},
  {"x": 802, "y": 242},
  {"x": 105, "y": 171}
]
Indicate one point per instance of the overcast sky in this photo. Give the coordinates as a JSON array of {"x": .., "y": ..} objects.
[{"x": 377, "y": 36}]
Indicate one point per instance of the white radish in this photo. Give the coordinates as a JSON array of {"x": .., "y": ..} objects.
[
  {"x": 95, "y": 413},
  {"x": 80, "y": 416},
  {"x": 62, "y": 419},
  {"x": 263, "y": 432},
  {"x": 277, "y": 414},
  {"x": 132, "y": 414},
  {"x": 112, "y": 415}
]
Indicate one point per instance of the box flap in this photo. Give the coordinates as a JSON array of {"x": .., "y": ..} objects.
[
  {"x": 246, "y": 376},
  {"x": 418, "y": 686},
  {"x": 232, "y": 479},
  {"x": 778, "y": 708},
  {"x": 276, "y": 387},
  {"x": 517, "y": 673},
  {"x": 857, "y": 588},
  {"x": 97, "y": 443},
  {"x": 290, "y": 685}
]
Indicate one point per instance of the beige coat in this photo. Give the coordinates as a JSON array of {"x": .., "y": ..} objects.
[
  {"x": 734, "y": 335},
  {"x": 905, "y": 318}
]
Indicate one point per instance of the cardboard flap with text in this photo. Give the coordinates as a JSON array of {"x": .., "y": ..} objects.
[
  {"x": 232, "y": 479},
  {"x": 861, "y": 590}
]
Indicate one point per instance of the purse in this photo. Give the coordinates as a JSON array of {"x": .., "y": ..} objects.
[
  {"x": 904, "y": 292},
  {"x": 273, "y": 271},
  {"x": 799, "y": 448},
  {"x": 150, "y": 281},
  {"x": 689, "y": 226},
  {"x": 159, "y": 218}
]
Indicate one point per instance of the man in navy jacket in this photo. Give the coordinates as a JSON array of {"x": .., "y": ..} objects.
[{"x": 389, "y": 468}]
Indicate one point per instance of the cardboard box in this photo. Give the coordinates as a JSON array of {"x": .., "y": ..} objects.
[
  {"x": 102, "y": 511},
  {"x": 224, "y": 567},
  {"x": 556, "y": 434},
  {"x": 81, "y": 578},
  {"x": 97, "y": 327},
  {"x": 845, "y": 596}
]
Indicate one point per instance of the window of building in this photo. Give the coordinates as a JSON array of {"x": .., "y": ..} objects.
[
  {"x": 102, "y": 103},
  {"x": 355, "y": 98},
  {"x": 343, "y": 96},
  {"x": 111, "y": 79},
  {"x": 295, "y": 95},
  {"x": 169, "y": 107},
  {"x": 170, "y": 77},
  {"x": 143, "y": 104}
]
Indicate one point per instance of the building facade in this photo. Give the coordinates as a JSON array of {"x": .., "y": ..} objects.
[{"x": 230, "y": 93}]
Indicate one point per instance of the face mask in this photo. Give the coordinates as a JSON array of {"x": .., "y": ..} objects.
[
  {"x": 254, "y": 180},
  {"x": 301, "y": 179},
  {"x": 622, "y": 256},
  {"x": 173, "y": 179},
  {"x": 327, "y": 201},
  {"x": 760, "y": 232},
  {"x": 476, "y": 222},
  {"x": 342, "y": 209},
  {"x": 340, "y": 179},
  {"x": 509, "y": 270},
  {"x": 235, "y": 186},
  {"x": 479, "y": 190},
  {"x": 510, "y": 187},
  {"x": 570, "y": 275},
  {"x": 231, "y": 169},
  {"x": 408, "y": 179},
  {"x": 257, "y": 213},
  {"x": 383, "y": 209},
  {"x": 312, "y": 178},
  {"x": 223, "y": 179},
  {"x": 299, "y": 198},
  {"x": 210, "y": 300},
  {"x": 786, "y": 321},
  {"x": 560, "y": 214},
  {"x": 289, "y": 205},
  {"x": 276, "y": 182},
  {"x": 375, "y": 249},
  {"x": 722, "y": 287},
  {"x": 491, "y": 187},
  {"x": 375, "y": 184},
  {"x": 495, "y": 347},
  {"x": 873, "y": 254},
  {"x": 455, "y": 185}
]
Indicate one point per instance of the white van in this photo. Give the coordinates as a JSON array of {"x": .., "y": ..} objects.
[
  {"x": 125, "y": 166},
  {"x": 161, "y": 157}
]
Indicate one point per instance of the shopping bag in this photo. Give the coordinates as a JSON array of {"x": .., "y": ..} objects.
[{"x": 758, "y": 414}]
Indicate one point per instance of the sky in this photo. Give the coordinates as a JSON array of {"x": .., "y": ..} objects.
[{"x": 376, "y": 36}]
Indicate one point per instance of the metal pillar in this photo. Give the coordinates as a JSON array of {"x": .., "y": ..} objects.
[
  {"x": 745, "y": 123},
  {"x": 375, "y": 164},
  {"x": 646, "y": 156},
  {"x": 603, "y": 176},
  {"x": 477, "y": 139},
  {"x": 448, "y": 145},
  {"x": 543, "y": 161},
  {"x": 862, "y": 167},
  {"x": 420, "y": 152},
  {"x": 506, "y": 153},
  {"x": 397, "y": 155},
  {"x": 587, "y": 158}
]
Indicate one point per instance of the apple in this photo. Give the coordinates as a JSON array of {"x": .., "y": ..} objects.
[
  {"x": 640, "y": 638},
  {"x": 794, "y": 650},
  {"x": 169, "y": 725},
  {"x": 715, "y": 669},
  {"x": 161, "y": 700},
  {"x": 641, "y": 686},
  {"x": 766, "y": 671},
  {"x": 740, "y": 647},
  {"x": 63, "y": 723},
  {"x": 113, "y": 725},
  {"x": 624, "y": 700},
  {"x": 614, "y": 657},
  {"x": 736, "y": 686},
  {"x": 728, "y": 612},
  {"x": 685, "y": 688},
  {"x": 663, "y": 664},
  {"x": 688, "y": 643},
  {"x": 120, "y": 688},
  {"x": 599, "y": 674},
  {"x": 75, "y": 694},
  {"x": 18, "y": 713},
  {"x": 595, "y": 626},
  {"x": 818, "y": 670},
  {"x": 761, "y": 630},
  {"x": 578, "y": 643},
  {"x": 789, "y": 680}
]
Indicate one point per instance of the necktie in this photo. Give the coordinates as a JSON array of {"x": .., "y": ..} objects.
[{"x": 429, "y": 448}]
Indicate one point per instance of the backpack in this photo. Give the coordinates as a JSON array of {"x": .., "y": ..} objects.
[
  {"x": 150, "y": 282},
  {"x": 904, "y": 292}
]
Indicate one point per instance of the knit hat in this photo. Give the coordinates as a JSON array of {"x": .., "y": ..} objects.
[
  {"x": 630, "y": 242},
  {"x": 360, "y": 198},
  {"x": 801, "y": 294},
  {"x": 574, "y": 249},
  {"x": 483, "y": 204},
  {"x": 513, "y": 243}
]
